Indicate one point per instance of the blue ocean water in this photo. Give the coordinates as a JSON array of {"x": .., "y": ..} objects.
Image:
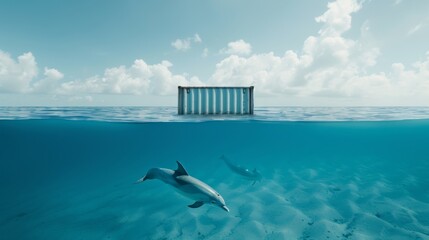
[{"x": 327, "y": 173}]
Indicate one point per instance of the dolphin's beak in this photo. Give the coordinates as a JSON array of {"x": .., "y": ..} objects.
[{"x": 225, "y": 208}]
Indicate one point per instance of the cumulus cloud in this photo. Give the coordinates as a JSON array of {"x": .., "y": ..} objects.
[
  {"x": 21, "y": 76},
  {"x": 139, "y": 79},
  {"x": 49, "y": 83},
  {"x": 324, "y": 60},
  {"x": 412, "y": 81},
  {"x": 52, "y": 73},
  {"x": 181, "y": 44},
  {"x": 338, "y": 17},
  {"x": 239, "y": 47},
  {"x": 185, "y": 44},
  {"x": 15, "y": 76},
  {"x": 329, "y": 66}
]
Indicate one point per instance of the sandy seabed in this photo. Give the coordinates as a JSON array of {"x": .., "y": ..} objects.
[{"x": 328, "y": 202}]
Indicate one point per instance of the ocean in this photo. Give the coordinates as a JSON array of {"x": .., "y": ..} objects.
[{"x": 327, "y": 173}]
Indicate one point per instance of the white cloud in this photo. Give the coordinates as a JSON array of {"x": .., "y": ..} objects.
[
  {"x": 20, "y": 76},
  {"x": 337, "y": 18},
  {"x": 49, "y": 83},
  {"x": 15, "y": 76},
  {"x": 197, "y": 38},
  {"x": 139, "y": 79},
  {"x": 53, "y": 73},
  {"x": 397, "y": 2},
  {"x": 239, "y": 47},
  {"x": 185, "y": 44},
  {"x": 205, "y": 52},
  {"x": 415, "y": 29},
  {"x": 412, "y": 81},
  {"x": 330, "y": 69},
  {"x": 324, "y": 59},
  {"x": 269, "y": 73},
  {"x": 181, "y": 44},
  {"x": 329, "y": 66}
]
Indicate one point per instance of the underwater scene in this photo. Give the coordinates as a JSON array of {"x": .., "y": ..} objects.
[{"x": 147, "y": 173}]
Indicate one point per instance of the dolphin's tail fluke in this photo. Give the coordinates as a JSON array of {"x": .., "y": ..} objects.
[
  {"x": 228, "y": 162},
  {"x": 225, "y": 159},
  {"x": 141, "y": 180}
]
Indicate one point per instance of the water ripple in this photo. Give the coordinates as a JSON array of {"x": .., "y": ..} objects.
[{"x": 169, "y": 114}]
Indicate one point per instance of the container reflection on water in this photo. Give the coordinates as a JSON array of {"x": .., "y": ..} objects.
[{"x": 215, "y": 100}]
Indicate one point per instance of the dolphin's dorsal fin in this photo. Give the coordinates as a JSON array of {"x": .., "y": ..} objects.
[
  {"x": 180, "y": 170},
  {"x": 196, "y": 204}
]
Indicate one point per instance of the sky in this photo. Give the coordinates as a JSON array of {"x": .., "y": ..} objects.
[{"x": 136, "y": 53}]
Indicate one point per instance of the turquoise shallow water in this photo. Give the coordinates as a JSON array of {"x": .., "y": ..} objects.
[{"x": 336, "y": 178}]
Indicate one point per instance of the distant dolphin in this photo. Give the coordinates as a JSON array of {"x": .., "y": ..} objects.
[
  {"x": 187, "y": 185},
  {"x": 245, "y": 172}
]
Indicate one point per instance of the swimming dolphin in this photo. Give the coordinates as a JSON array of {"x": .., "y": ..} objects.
[
  {"x": 254, "y": 175},
  {"x": 187, "y": 185}
]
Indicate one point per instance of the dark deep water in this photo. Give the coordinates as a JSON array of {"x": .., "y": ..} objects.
[{"x": 63, "y": 179}]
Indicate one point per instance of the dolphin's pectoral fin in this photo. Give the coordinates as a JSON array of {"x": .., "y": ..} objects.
[
  {"x": 253, "y": 183},
  {"x": 181, "y": 182},
  {"x": 196, "y": 204},
  {"x": 180, "y": 170}
]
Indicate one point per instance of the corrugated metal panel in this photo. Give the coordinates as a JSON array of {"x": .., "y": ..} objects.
[
  {"x": 189, "y": 98},
  {"x": 211, "y": 101},
  {"x": 239, "y": 100},
  {"x": 245, "y": 100},
  {"x": 215, "y": 100},
  {"x": 196, "y": 100},
  {"x": 225, "y": 102},
  {"x": 218, "y": 100}
]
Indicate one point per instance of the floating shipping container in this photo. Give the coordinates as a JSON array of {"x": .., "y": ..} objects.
[{"x": 215, "y": 100}]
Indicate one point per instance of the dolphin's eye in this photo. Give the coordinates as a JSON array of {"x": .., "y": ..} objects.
[{"x": 213, "y": 202}]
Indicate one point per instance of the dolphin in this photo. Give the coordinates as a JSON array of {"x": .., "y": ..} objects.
[
  {"x": 254, "y": 175},
  {"x": 187, "y": 186}
]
